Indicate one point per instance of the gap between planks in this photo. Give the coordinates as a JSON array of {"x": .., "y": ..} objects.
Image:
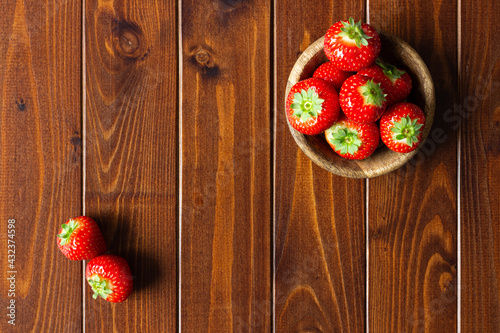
[
  {"x": 84, "y": 144},
  {"x": 367, "y": 226},
  {"x": 274, "y": 107},
  {"x": 459, "y": 158},
  {"x": 179, "y": 163}
]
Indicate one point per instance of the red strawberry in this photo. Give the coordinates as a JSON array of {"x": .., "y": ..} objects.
[
  {"x": 401, "y": 127},
  {"x": 362, "y": 99},
  {"x": 329, "y": 72},
  {"x": 312, "y": 106},
  {"x": 396, "y": 83},
  {"x": 110, "y": 277},
  {"x": 80, "y": 239},
  {"x": 352, "y": 140},
  {"x": 352, "y": 46}
]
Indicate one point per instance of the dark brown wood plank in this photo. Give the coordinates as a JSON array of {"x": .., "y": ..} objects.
[
  {"x": 319, "y": 217},
  {"x": 131, "y": 156},
  {"x": 480, "y": 172},
  {"x": 40, "y": 163},
  {"x": 226, "y": 253},
  {"x": 412, "y": 212}
]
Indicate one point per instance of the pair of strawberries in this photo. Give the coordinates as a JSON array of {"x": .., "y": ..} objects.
[
  {"x": 109, "y": 276},
  {"x": 346, "y": 105}
]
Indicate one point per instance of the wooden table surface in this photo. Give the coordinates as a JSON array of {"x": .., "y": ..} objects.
[{"x": 164, "y": 121}]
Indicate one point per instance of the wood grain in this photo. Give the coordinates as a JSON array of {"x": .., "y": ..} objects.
[
  {"x": 226, "y": 186},
  {"x": 480, "y": 174},
  {"x": 131, "y": 156},
  {"x": 412, "y": 212},
  {"x": 319, "y": 217},
  {"x": 40, "y": 162},
  {"x": 246, "y": 190}
]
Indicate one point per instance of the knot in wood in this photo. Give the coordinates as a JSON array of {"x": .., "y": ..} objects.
[
  {"x": 202, "y": 57},
  {"x": 129, "y": 42},
  {"x": 445, "y": 282},
  {"x": 21, "y": 106}
]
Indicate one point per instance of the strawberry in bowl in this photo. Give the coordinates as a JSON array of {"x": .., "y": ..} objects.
[
  {"x": 395, "y": 82},
  {"x": 401, "y": 127},
  {"x": 352, "y": 46},
  {"x": 329, "y": 72},
  {"x": 312, "y": 106},
  {"x": 362, "y": 99},
  {"x": 352, "y": 140}
]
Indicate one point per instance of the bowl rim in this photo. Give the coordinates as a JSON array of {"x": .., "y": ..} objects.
[{"x": 369, "y": 167}]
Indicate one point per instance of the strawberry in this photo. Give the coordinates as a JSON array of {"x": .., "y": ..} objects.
[
  {"x": 312, "y": 106},
  {"x": 109, "y": 277},
  {"x": 395, "y": 82},
  {"x": 362, "y": 99},
  {"x": 352, "y": 46},
  {"x": 80, "y": 239},
  {"x": 401, "y": 127},
  {"x": 352, "y": 140},
  {"x": 329, "y": 72}
]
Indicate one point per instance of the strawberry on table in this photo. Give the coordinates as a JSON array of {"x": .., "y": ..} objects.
[
  {"x": 327, "y": 71},
  {"x": 401, "y": 127},
  {"x": 352, "y": 46},
  {"x": 362, "y": 99},
  {"x": 80, "y": 239},
  {"x": 312, "y": 106},
  {"x": 395, "y": 82},
  {"x": 110, "y": 278},
  {"x": 352, "y": 140}
]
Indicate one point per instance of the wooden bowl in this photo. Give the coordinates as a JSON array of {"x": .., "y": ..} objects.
[{"x": 383, "y": 160}]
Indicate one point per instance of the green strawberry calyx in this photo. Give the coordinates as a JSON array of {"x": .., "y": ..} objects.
[
  {"x": 354, "y": 32},
  {"x": 306, "y": 104},
  {"x": 372, "y": 93},
  {"x": 389, "y": 70},
  {"x": 100, "y": 287},
  {"x": 67, "y": 230},
  {"x": 406, "y": 130},
  {"x": 346, "y": 141}
]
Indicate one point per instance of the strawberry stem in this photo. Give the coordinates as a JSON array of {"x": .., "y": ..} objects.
[
  {"x": 67, "y": 230},
  {"x": 406, "y": 130},
  {"x": 345, "y": 140},
  {"x": 390, "y": 70},
  {"x": 306, "y": 104},
  {"x": 372, "y": 93},
  {"x": 100, "y": 287},
  {"x": 354, "y": 32}
]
